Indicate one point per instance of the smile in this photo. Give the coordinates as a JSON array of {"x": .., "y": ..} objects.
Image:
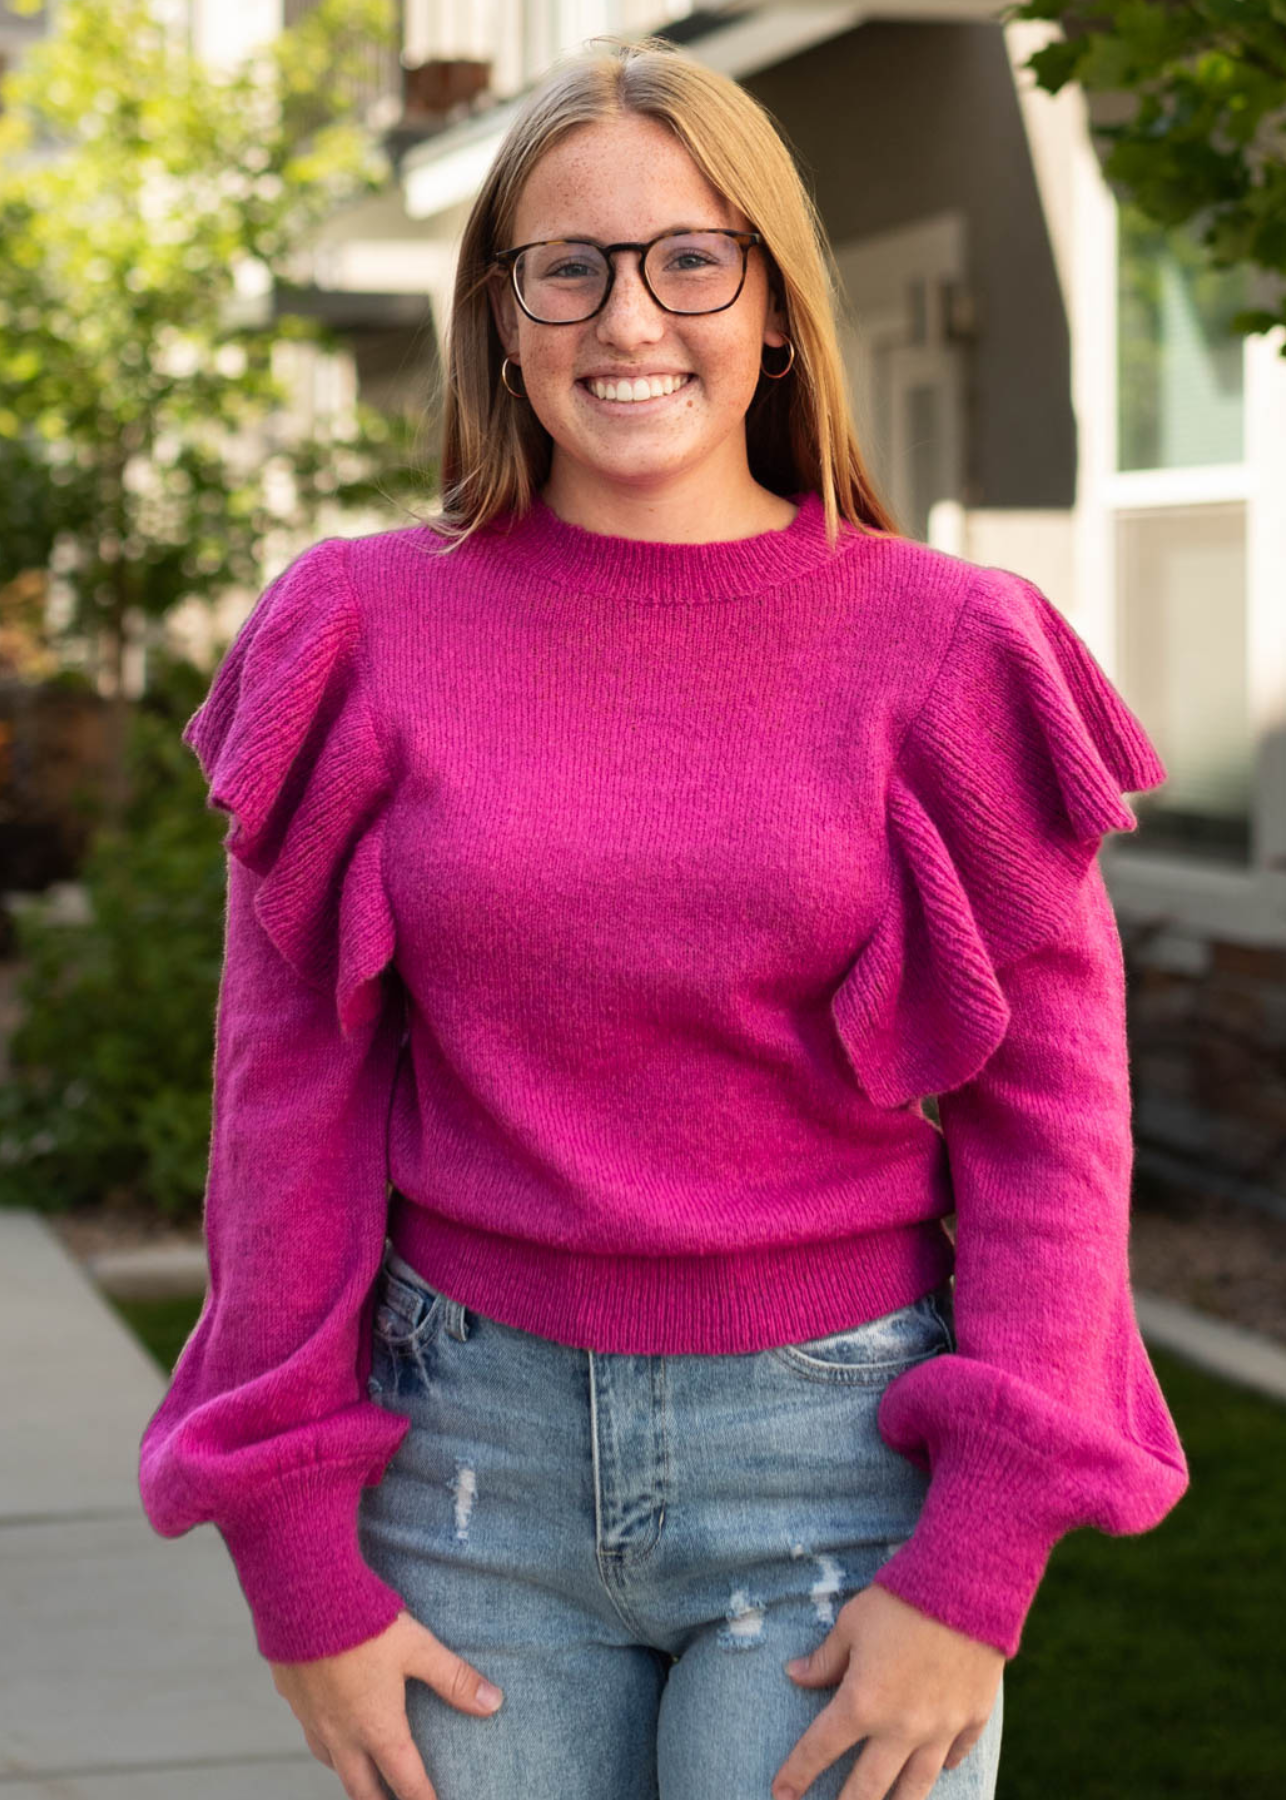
[{"x": 646, "y": 393}]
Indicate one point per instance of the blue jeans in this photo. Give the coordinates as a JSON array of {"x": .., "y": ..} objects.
[{"x": 631, "y": 1546}]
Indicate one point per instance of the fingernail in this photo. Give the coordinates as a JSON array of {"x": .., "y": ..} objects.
[
  {"x": 784, "y": 1793},
  {"x": 795, "y": 1666},
  {"x": 489, "y": 1696}
]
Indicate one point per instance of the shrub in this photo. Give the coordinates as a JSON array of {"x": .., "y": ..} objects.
[{"x": 108, "y": 1097}]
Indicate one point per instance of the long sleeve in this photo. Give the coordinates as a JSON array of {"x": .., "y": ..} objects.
[
  {"x": 266, "y": 1429},
  {"x": 997, "y": 983}
]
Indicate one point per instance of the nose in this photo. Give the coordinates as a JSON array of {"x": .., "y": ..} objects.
[{"x": 631, "y": 315}]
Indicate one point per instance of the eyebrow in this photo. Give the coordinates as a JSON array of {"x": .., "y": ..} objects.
[{"x": 586, "y": 237}]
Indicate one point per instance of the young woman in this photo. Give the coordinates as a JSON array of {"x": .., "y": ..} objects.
[{"x": 615, "y": 866}]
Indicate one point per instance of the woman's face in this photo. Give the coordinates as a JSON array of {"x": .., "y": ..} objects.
[{"x": 630, "y": 178}]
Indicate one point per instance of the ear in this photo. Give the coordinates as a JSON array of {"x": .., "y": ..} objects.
[
  {"x": 504, "y": 310},
  {"x": 775, "y": 320}
]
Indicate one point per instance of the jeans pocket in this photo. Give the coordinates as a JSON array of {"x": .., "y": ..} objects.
[
  {"x": 408, "y": 1309},
  {"x": 874, "y": 1352}
]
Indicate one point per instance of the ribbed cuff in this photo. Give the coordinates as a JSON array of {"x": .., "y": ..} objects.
[
  {"x": 982, "y": 1543},
  {"x": 310, "y": 1591}
]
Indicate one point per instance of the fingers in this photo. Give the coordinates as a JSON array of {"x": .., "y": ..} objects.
[
  {"x": 962, "y": 1746},
  {"x": 834, "y": 1730},
  {"x": 824, "y": 1666},
  {"x": 913, "y": 1707},
  {"x": 918, "y": 1776},
  {"x": 914, "y": 1755},
  {"x": 458, "y": 1682},
  {"x": 878, "y": 1765},
  {"x": 352, "y": 1707},
  {"x": 401, "y": 1766},
  {"x": 364, "y": 1767},
  {"x": 374, "y": 1776},
  {"x": 881, "y": 1762}
]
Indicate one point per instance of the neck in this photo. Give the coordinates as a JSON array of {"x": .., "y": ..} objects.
[{"x": 689, "y": 510}]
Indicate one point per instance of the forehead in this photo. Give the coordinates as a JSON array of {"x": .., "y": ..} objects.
[{"x": 618, "y": 178}]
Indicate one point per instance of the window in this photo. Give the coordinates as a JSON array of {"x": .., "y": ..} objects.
[
  {"x": 1182, "y": 657},
  {"x": 1179, "y": 370},
  {"x": 1178, "y": 507}
]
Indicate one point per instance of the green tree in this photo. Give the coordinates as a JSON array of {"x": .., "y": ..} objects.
[
  {"x": 148, "y": 205},
  {"x": 1206, "y": 143}
]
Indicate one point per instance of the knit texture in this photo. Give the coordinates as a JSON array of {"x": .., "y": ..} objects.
[{"x": 599, "y": 914}]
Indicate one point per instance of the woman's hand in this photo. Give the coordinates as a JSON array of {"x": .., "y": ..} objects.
[
  {"x": 919, "y": 1692},
  {"x": 353, "y": 1706}
]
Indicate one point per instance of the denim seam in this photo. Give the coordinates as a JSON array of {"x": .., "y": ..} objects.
[{"x": 872, "y": 1375}]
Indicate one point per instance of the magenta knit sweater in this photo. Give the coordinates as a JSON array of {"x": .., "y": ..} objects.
[{"x": 618, "y": 902}]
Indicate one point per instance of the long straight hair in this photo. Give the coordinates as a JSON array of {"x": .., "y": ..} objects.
[{"x": 495, "y": 453}]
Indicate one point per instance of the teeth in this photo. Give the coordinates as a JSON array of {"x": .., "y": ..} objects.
[{"x": 644, "y": 388}]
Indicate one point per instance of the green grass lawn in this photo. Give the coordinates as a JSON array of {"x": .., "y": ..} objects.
[
  {"x": 164, "y": 1326},
  {"x": 1151, "y": 1667}
]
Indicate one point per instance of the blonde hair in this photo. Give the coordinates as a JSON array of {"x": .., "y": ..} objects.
[{"x": 495, "y": 453}]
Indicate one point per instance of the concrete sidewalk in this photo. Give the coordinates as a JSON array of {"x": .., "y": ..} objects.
[{"x": 128, "y": 1666}]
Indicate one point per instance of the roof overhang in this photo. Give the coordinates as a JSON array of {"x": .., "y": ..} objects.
[{"x": 448, "y": 169}]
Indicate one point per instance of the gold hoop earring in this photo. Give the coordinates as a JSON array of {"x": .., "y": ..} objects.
[
  {"x": 780, "y": 372},
  {"x": 505, "y": 379}
]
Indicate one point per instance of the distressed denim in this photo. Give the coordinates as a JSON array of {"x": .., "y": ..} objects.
[{"x": 631, "y": 1546}]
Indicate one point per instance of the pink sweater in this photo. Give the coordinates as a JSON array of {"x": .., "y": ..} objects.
[{"x": 618, "y": 902}]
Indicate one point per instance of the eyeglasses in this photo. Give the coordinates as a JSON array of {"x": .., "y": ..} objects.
[{"x": 564, "y": 281}]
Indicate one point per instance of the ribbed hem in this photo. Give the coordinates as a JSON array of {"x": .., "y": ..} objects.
[
  {"x": 716, "y": 1304},
  {"x": 982, "y": 1542},
  {"x": 310, "y": 1591},
  {"x": 572, "y": 560}
]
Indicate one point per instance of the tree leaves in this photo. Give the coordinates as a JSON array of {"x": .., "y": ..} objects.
[
  {"x": 138, "y": 186},
  {"x": 1207, "y": 141}
]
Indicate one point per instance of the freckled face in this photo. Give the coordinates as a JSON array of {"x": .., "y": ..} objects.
[{"x": 630, "y": 178}]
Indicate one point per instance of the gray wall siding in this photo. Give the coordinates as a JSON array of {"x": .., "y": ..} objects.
[{"x": 892, "y": 122}]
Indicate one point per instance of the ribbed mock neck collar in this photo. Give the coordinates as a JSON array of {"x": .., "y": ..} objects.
[{"x": 571, "y": 559}]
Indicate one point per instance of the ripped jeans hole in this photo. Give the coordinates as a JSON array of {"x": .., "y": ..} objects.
[{"x": 744, "y": 1627}]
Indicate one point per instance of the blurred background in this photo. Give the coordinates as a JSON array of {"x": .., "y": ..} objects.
[{"x": 228, "y": 232}]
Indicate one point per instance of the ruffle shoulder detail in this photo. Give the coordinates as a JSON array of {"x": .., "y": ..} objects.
[
  {"x": 1006, "y": 782},
  {"x": 288, "y": 747}
]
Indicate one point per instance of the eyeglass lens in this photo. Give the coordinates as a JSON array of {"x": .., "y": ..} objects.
[{"x": 695, "y": 272}]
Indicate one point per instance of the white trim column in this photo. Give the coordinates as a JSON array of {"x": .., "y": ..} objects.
[{"x": 1266, "y": 596}]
